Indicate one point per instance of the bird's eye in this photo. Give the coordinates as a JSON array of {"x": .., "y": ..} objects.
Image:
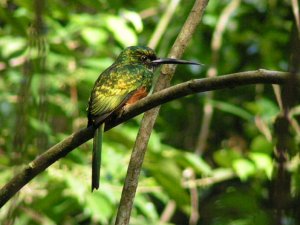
[{"x": 143, "y": 58}]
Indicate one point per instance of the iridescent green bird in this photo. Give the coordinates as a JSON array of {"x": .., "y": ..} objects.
[{"x": 126, "y": 81}]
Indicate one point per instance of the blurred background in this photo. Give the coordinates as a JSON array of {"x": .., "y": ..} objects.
[{"x": 210, "y": 158}]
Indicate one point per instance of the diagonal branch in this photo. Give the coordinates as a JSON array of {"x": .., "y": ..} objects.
[
  {"x": 76, "y": 139},
  {"x": 148, "y": 121}
]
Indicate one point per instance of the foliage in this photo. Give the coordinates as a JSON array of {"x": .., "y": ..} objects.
[{"x": 50, "y": 56}]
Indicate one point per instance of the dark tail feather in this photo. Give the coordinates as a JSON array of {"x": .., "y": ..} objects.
[{"x": 96, "y": 158}]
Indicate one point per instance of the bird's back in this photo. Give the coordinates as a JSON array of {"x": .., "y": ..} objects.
[{"x": 113, "y": 87}]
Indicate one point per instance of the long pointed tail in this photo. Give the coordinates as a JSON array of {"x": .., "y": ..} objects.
[{"x": 96, "y": 158}]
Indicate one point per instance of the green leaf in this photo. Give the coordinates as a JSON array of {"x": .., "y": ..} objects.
[
  {"x": 225, "y": 157},
  {"x": 264, "y": 107},
  {"x": 243, "y": 168},
  {"x": 37, "y": 125},
  {"x": 100, "y": 208},
  {"x": 10, "y": 45},
  {"x": 261, "y": 144},
  {"x": 121, "y": 31},
  {"x": 134, "y": 18},
  {"x": 263, "y": 162},
  {"x": 233, "y": 109},
  {"x": 94, "y": 36},
  {"x": 196, "y": 162},
  {"x": 168, "y": 175},
  {"x": 146, "y": 207}
]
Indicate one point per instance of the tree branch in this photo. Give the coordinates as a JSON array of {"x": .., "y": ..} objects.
[
  {"x": 187, "y": 88},
  {"x": 260, "y": 76}
]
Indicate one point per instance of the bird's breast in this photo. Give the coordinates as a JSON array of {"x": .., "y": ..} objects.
[{"x": 138, "y": 94}]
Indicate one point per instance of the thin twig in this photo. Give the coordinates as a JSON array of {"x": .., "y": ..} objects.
[
  {"x": 189, "y": 176},
  {"x": 295, "y": 7},
  {"x": 168, "y": 212},
  {"x": 140, "y": 146},
  {"x": 212, "y": 72},
  {"x": 208, "y": 181},
  {"x": 163, "y": 23},
  {"x": 76, "y": 139}
]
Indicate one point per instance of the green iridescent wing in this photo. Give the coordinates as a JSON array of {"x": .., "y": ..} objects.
[{"x": 114, "y": 87}]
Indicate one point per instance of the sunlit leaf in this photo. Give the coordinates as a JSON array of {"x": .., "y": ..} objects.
[
  {"x": 94, "y": 36},
  {"x": 134, "y": 18},
  {"x": 243, "y": 168},
  {"x": 121, "y": 31},
  {"x": 195, "y": 162},
  {"x": 146, "y": 207},
  {"x": 99, "y": 207},
  {"x": 263, "y": 162}
]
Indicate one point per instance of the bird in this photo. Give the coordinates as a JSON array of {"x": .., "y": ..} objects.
[{"x": 126, "y": 81}]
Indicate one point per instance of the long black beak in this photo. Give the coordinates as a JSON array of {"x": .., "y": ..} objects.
[{"x": 173, "y": 61}]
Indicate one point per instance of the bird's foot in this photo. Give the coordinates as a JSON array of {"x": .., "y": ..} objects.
[{"x": 123, "y": 110}]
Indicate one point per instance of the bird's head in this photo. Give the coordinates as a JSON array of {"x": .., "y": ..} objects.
[{"x": 146, "y": 56}]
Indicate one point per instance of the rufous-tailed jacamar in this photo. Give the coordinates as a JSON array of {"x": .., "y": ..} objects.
[{"x": 126, "y": 81}]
